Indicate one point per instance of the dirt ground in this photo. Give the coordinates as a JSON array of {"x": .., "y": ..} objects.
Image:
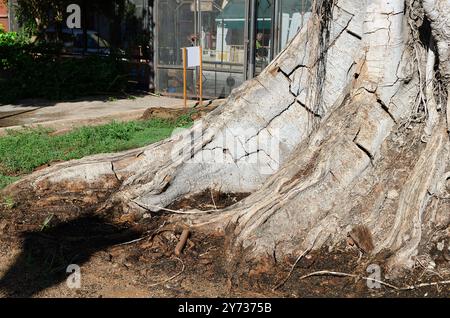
[
  {"x": 65, "y": 116},
  {"x": 32, "y": 112},
  {"x": 129, "y": 256}
]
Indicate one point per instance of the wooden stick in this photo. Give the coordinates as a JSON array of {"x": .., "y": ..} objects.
[
  {"x": 201, "y": 76},
  {"x": 185, "y": 76},
  {"x": 183, "y": 239},
  {"x": 212, "y": 197},
  {"x": 180, "y": 211},
  {"x": 443, "y": 282}
]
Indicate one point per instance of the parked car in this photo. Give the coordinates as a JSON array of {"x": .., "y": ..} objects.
[{"x": 73, "y": 41}]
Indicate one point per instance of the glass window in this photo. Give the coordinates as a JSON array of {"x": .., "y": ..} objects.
[
  {"x": 225, "y": 22},
  {"x": 171, "y": 81},
  {"x": 294, "y": 14},
  {"x": 222, "y": 25},
  {"x": 176, "y": 26},
  {"x": 264, "y": 24},
  {"x": 218, "y": 27}
]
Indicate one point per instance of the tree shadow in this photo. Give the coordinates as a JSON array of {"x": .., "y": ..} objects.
[{"x": 46, "y": 254}]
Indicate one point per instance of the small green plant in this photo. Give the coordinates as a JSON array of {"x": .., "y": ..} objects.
[
  {"x": 12, "y": 39},
  {"x": 185, "y": 119},
  {"x": 8, "y": 202}
]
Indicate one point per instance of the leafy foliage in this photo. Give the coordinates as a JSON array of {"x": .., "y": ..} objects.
[
  {"x": 37, "y": 70},
  {"x": 36, "y": 15}
]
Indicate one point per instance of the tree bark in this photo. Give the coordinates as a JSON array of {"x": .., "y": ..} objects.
[{"x": 327, "y": 138}]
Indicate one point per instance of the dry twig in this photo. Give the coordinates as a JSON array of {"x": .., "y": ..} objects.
[
  {"x": 177, "y": 211},
  {"x": 212, "y": 197},
  {"x": 341, "y": 274},
  {"x": 292, "y": 270}
]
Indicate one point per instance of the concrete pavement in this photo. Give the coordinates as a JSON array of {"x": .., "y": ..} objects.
[{"x": 67, "y": 115}]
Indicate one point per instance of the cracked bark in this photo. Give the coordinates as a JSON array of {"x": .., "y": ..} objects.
[{"x": 335, "y": 100}]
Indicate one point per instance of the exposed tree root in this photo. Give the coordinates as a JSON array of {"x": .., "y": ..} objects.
[{"x": 317, "y": 139}]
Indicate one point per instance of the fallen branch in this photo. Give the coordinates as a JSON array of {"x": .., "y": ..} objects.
[
  {"x": 133, "y": 241},
  {"x": 183, "y": 239},
  {"x": 212, "y": 197},
  {"x": 443, "y": 282}
]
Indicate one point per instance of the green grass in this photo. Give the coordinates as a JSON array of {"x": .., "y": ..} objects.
[
  {"x": 7, "y": 202},
  {"x": 6, "y": 180},
  {"x": 23, "y": 151}
]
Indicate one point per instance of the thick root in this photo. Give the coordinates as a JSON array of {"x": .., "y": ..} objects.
[{"x": 317, "y": 139}]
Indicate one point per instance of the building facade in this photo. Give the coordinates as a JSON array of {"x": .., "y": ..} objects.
[
  {"x": 4, "y": 16},
  {"x": 239, "y": 38}
]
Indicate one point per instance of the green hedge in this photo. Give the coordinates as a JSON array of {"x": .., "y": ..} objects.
[{"x": 29, "y": 70}]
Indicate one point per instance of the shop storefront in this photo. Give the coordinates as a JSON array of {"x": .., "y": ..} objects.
[{"x": 223, "y": 28}]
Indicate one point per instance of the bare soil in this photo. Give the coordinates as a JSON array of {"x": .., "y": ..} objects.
[{"x": 130, "y": 256}]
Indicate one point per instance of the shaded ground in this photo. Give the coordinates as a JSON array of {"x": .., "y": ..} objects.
[{"x": 130, "y": 256}]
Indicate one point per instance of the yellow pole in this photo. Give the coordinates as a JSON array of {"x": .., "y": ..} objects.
[
  {"x": 184, "y": 77},
  {"x": 201, "y": 76}
]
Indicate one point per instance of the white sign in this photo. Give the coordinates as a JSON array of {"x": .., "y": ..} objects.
[{"x": 193, "y": 56}]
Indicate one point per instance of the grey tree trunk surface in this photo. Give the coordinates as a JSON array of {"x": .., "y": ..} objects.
[{"x": 347, "y": 127}]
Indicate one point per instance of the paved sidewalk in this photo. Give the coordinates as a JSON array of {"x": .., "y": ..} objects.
[{"x": 67, "y": 115}]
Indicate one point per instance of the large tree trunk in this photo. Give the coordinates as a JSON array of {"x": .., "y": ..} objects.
[{"x": 328, "y": 137}]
